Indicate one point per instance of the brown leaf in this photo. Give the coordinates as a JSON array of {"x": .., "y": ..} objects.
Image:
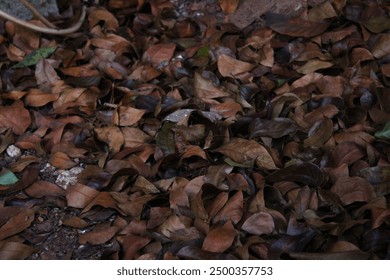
[
  {"x": 195, "y": 253},
  {"x": 159, "y": 55},
  {"x": 103, "y": 199},
  {"x": 219, "y": 238},
  {"x": 274, "y": 128},
  {"x": 231, "y": 67},
  {"x": 129, "y": 116},
  {"x": 79, "y": 196},
  {"x": 17, "y": 223},
  {"x": 41, "y": 188},
  {"x": 379, "y": 178},
  {"x": 205, "y": 89},
  {"x": 306, "y": 173},
  {"x": 295, "y": 27},
  {"x": 95, "y": 15},
  {"x": 111, "y": 135},
  {"x": 61, "y": 161},
  {"x": 15, "y": 251},
  {"x": 15, "y": 117},
  {"x": 102, "y": 233},
  {"x": 352, "y": 189},
  {"x": 132, "y": 244},
  {"x": 45, "y": 74},
  {"x": 245, "y": 151},
  {"x": 314, "y": 65},
  {"x": 259, "y": 223},
  {"x": 38, "y": 98},
  {"x": 229, "y": 6},
  {"x": 233, "y": 209},
  {"x": 381, "y": 46}
]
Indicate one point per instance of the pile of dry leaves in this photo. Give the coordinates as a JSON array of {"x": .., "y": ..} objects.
[{"x": 197, "y": 139}]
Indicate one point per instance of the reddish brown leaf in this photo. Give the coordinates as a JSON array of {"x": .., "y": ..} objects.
[
  {"x": 233, "y": 209},
  {"x": 79, "y": 196},
  {"x": 15, "y": 117},
  {"x": 219, "y": 238}
]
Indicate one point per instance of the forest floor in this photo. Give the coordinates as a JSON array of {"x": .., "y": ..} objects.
[{"x": 175, "y": 129}]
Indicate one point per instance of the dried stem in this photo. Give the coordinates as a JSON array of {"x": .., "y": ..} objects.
[
  {"x": 46, "y": 30},
  {"x": 36, "y": 14}
]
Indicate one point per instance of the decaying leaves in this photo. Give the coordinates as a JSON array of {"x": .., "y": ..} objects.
[{"x": 195, "y": 139}]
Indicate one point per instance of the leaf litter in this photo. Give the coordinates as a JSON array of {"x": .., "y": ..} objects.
[{"x": 189, "y": 133}]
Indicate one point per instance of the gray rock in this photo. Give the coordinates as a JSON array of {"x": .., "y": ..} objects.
[{"x": 15, "y": 8}]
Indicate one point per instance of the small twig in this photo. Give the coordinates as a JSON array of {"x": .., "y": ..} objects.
[
  {"x": 46, "y": 30},
  {"x": 37, "y": 14}
]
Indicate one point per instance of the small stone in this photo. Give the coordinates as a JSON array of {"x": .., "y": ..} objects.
[
  {"x": 66, "y": 178},
  {"x": 13, "y": 151}
]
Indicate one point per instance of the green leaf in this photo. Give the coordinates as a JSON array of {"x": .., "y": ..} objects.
[
  {"x": 35, "y": 56},
  {"x": 7, "y": 177},
  {"x": 384, "y": 133},
  {"x": 236, "y": 164}
]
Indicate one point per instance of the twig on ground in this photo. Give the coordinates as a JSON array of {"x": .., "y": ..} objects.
[
  {"x": 46, "y": 30},
  {"x": 36, "y": 14}
]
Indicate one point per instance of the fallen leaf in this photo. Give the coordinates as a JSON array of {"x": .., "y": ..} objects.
[
  {"x": 259, "y": 223},
  {"x": 15, "y": 117},
  {"x": 229, "y": 6},
  {"x": 242, "y": 151},
  {"x": 231, "y": 67},
  {"x": 353, "y": 189},
  {"x": 15, "y": 251},
  {"x": 219, "y": 238}
]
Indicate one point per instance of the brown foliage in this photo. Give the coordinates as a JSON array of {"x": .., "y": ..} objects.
[{"x": 198, "y": 140}]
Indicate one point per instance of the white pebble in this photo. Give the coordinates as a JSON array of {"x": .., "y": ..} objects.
[{"x": 13, "y": 151}]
